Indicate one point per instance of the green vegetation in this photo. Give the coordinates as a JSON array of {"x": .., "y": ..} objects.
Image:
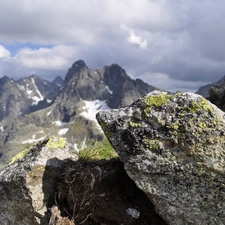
[
  {"x": 56, "y": 142},
  {"x": 21, "y": 154},
  {"x": 97, "y": 151}
]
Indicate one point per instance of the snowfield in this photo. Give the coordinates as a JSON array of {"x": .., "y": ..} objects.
[
  {"x": 63, "y": 131},
  {"x": 59, "y": 123},
  {"x": 91, "y": 108}
]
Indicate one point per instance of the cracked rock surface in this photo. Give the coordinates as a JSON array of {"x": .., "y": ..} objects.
[{"x": 173, "y": 147}]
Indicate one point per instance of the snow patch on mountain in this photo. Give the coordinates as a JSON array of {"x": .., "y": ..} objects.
[
  {"x": 63, "y": 131},
  {"x": 59, "y": 123},
  {"x": 32, "y": 140},
  {"x": 34, "y": 94},
  {"x": 91, "y": 108},
  {"x": 111, "y": 92},
  {"x": 36, "y": 98},
  {"x": 25, "y": 89},
  {"x": 1, "y": 129},
  {"x": 49, "y": 113}
]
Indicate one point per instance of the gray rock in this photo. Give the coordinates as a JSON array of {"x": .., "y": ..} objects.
[
  {"x": 27, "y": 186},
  {"x": 172, "y": 146}
]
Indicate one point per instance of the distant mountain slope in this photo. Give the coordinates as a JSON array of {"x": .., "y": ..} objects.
[
  {"x": 204, "y": 90},
  {"x": 13, "y": 101},
  {"x": 71, "y": 113},
  {"x": 25, "y": 95}
]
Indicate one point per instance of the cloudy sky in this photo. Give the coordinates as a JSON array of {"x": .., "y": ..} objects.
[{"x": 171, "y": 44}]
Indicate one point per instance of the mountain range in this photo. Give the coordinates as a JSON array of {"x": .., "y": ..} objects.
[{"x": 33, "y": 108}]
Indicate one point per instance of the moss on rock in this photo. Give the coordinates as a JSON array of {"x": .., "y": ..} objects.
[
  {"x": 156, "y": 100},
  {"x": 134, "y": 124},
  {"x": 21, "y": 154},
  {"x": 56, "y": 142}
]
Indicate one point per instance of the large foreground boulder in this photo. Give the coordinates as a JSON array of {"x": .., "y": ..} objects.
[{"x": 173, "y": 147}]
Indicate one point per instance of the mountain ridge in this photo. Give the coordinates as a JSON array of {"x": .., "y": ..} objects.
[
  {"x": 204, "y": 90},
  {"x": 70, "y": 112}
]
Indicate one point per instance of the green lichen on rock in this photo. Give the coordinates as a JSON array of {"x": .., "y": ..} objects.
[
  {"x": 197, "y": 106},
  {"x": 56, "y": 142},
  {"x": 156, "y": 100},
  {"x": 134, "y": 124},
  {"x": 21, "y": 154},
  {"x": 153, "y": 145},
  {"x": 176, "y": 126},
  {"x": 205, "y": 105}
]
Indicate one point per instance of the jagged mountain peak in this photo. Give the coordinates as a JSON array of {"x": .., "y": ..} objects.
[
  {"x": 58, "y": 81},
  {"x": 115, "y": 66},
  {"x": 5, "y": 79},
  {"x": 80, "y": 63},
  {"x": 76, "y": 69},
  {"x": 110, "y": 83}
]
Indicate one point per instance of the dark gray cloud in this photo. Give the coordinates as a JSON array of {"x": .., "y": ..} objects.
[{"x": 173, "y": 44}]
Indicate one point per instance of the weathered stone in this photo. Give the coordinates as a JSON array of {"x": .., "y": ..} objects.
[
  {"x": 27, "y": 186},
  {"x": 173, "y": 147}
]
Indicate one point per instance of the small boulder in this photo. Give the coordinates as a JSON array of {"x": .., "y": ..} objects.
[
  {"x": 173, "y": 147},
  {"x": 27, "y": 186}
]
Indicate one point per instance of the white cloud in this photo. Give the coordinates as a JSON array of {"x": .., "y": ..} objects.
[
  {"x": 55, "y": 58},
  {"x": 165, "y": 82},
  {"x": 137, "y": 40},
  {"x": 184, "y": 40},
  {"x": 73, "y": 21},
  {"x": 47, "y": 62},
  {"x": 4, "y": 53}
]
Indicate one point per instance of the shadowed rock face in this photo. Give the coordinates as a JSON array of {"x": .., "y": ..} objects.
[
  {"x": 27, "y": 186},
  {"x": 172, "y": 146}
]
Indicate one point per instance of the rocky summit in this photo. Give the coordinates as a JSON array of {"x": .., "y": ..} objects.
[{"x": 172, "y": 146}]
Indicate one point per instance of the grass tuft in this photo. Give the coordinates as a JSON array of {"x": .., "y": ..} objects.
[{"x": 98, "y": 151}]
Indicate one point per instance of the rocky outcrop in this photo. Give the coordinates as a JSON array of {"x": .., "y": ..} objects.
[
  {"x": 27, "y": 186},
  {"x": 48, "y": 185},
  {"x": 172, "y": 146}
]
